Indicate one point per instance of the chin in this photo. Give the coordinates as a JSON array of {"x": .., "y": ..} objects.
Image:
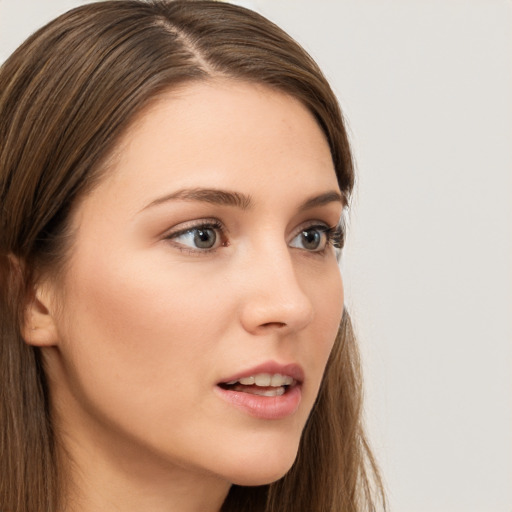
[
  {"x": 254, "y": 479},
  {"x": 264, "y": 469}
]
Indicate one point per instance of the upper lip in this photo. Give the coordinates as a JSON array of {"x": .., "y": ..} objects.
[{"x": 271, "y": 367}]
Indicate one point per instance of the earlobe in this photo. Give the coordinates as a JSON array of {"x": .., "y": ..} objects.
[{"x": 39, "y": 327}]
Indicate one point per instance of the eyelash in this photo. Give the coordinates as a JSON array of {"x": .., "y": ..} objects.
[{"x": 335, "y": 236}]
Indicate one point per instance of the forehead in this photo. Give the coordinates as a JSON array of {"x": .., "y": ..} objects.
[{"x": 228, "y": 134}]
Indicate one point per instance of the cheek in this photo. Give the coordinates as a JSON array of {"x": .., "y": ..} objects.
[
  {"x": 138, "y": 342},
  {"x": 134, "y": 306},
  {"x": 327, "y": 295},
  {"x": 137, "y": 331}
]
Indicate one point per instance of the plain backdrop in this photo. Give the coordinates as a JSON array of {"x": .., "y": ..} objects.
[{"x": 426, "y": 87}]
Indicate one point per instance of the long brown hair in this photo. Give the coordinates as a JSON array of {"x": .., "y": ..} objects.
[{"x": 66, "y": 96}]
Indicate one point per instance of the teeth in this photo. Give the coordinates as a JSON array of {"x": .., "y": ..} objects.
[
  {"x": 265, "y": 380},
  {"x": 281, "y": 380},
  {"x": 268, "y": 392}
]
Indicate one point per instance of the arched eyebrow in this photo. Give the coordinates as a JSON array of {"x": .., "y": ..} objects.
[
  {"x": 207, "y": 195},
  {"x": 321, "y": 200},
  {"x": 237, "y": 199}
]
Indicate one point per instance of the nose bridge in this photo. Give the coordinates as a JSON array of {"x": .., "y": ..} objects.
[{"x": 274, "y": 297}]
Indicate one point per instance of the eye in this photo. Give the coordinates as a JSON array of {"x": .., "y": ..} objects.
[
  {"x": 202, "y": 237},
  {"x": 313, "y": 238}
]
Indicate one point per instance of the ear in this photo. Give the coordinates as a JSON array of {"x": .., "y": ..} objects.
[{"x": 39, "y": 327}]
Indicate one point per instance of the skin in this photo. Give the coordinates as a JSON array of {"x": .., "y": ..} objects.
[{"x": 143, "y": 325}]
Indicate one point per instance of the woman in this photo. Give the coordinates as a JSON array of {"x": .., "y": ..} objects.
[{"x": 172, "y": 178}]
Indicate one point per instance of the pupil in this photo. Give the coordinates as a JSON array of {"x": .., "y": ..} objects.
[
  {"x": 311, "y": 239},
  {"x": 205, "y": 238}
]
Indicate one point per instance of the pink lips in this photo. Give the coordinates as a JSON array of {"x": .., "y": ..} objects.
[{"x": 266, "y": 407}]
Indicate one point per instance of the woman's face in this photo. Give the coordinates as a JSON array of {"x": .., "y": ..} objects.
[{"x": 204, "y": 257}]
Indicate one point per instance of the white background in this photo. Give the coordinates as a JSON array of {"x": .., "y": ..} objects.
[{"x": 426, "y": 86}]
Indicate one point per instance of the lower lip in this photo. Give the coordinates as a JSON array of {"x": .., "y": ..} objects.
[{"x": 264, "y": 407}]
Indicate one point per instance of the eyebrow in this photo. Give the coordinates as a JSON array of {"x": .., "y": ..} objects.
[
  {"x": 237, "y": 199},
  {"x": 321, "y": 200},
  {"x": 207, "y": 195}
]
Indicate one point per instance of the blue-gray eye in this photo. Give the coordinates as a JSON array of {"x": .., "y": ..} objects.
[
  {"x": 202, "y": 237},
  {"x": 312, "y": 239}
]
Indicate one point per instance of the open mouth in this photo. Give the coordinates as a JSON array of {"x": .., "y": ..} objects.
[
  {"x": 270, "y": 393},
  {"x": 261, "y": 384}
]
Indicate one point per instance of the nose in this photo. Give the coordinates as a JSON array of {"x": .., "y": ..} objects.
[{"x": 273, "y": 299}]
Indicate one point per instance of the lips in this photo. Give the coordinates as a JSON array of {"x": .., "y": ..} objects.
[{"x": 267, "y": 391}]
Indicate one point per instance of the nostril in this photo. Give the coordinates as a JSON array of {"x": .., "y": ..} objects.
[{"x": 274, "y": 324}]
